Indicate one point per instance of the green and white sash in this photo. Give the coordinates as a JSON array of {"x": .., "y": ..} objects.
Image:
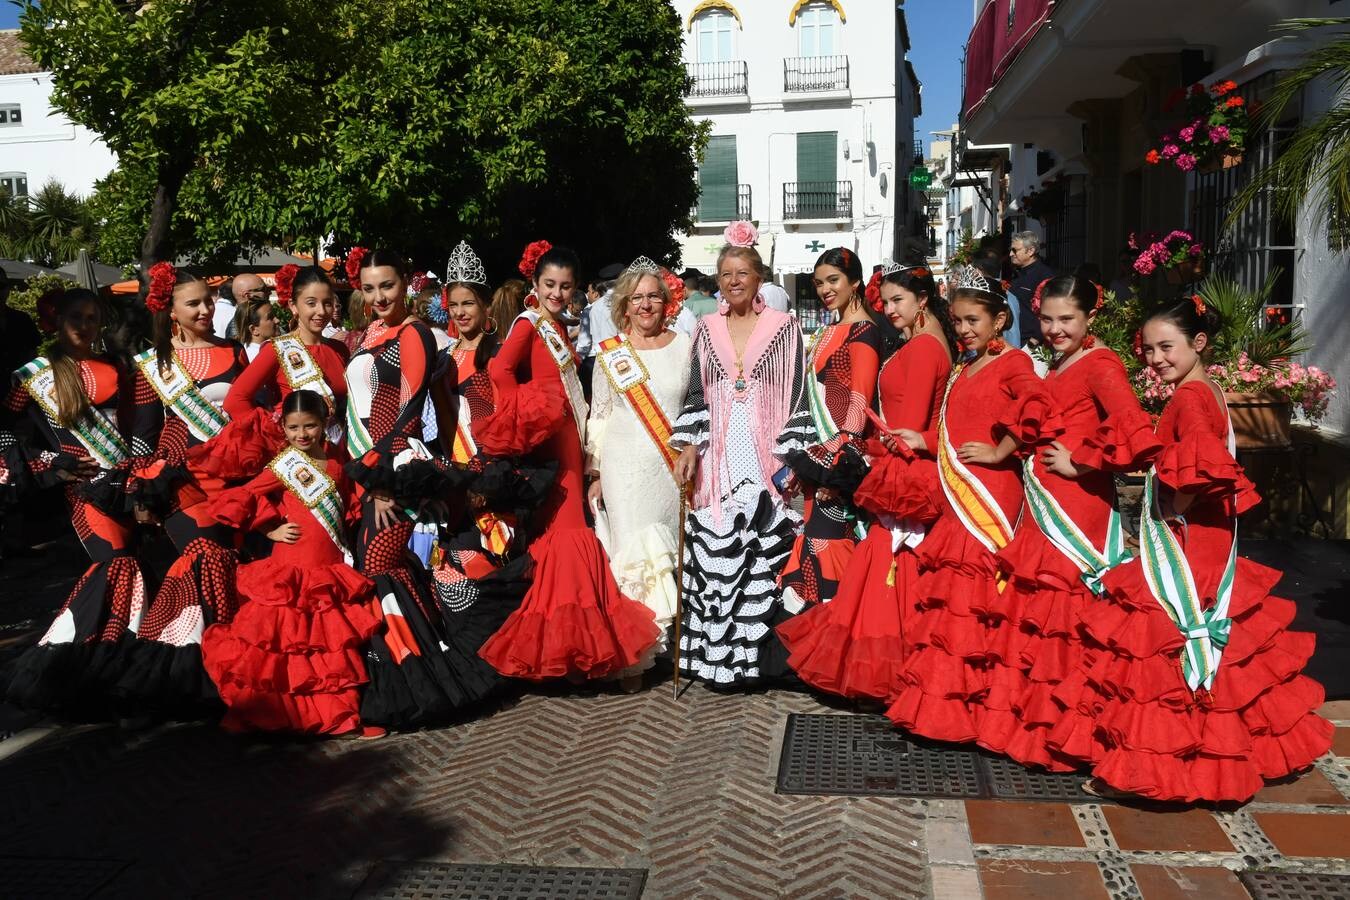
[
  {"x": 567, "y": 367},
  {"x": 1061, "y": 530},
  {"x": 1170, "y": 581},
  {"x": 301, "y": 370},
  {"x": 94, "y": 431},
  {"x": 310, "y": 484},
  {"x": 181, "y": 396}
]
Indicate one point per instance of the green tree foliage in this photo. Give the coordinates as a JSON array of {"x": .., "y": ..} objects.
[
  {"x": 49, "y": 227},
  {"x": 411, "y": 123}
]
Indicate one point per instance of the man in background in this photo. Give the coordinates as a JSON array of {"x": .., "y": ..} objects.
[{"x": 1028, "y": 272}]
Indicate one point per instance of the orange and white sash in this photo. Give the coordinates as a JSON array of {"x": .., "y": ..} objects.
[
  {"x": 629, "y": 376},
  {"x": 561, "y": 352},
  {"x": 975, "y": 507}
]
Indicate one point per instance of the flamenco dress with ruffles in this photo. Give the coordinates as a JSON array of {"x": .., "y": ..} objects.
[
  {"x": 1130, "y": 709},
  {"x": 163, "y": 671},
  {"x": 745, "y": 413},
  {"x": 67, "y": 670},
  {"x": 960, "y": 629},
  {"x": 641, "y": 498},
  {"x": 574, "y": 620},
  {"x": 854, "y": 646},
  {"x": 842, "y": 363},
  {"x": 293, "y": 657},
  {"x": 420, "y": 671},
  {"x": 1105, "y": 431}
]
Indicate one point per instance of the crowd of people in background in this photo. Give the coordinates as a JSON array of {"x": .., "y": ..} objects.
[{"x": 386, "y": 509}]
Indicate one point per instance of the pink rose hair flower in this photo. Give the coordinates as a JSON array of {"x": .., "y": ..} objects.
[{"x": 741, "y": 234}]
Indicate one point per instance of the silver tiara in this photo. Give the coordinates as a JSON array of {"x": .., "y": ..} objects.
[
  {"x": 890, "y": 268},
  {"x": 465, "y": 267},
  {"x": 644, "y": 265},
  {"x": 969, "y": 278}
]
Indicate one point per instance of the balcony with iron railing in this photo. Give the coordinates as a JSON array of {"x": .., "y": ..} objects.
[
  {"x": 713, "y": 82},
  {"x": 815, "y": 75},
  {"x": 719, "y": 206},
  {"x": 817, "y": 200}
]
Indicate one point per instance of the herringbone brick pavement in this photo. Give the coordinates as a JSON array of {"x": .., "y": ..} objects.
[{"x": 682, "y": 788}]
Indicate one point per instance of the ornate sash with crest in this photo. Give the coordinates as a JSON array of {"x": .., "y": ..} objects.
[
  {"x": 181, "y": 396},
  {"x": 94, "y": 431},
  {"x": 306, "y": 479},
  {"x": 567, "y": 366},
  {"x": 300, "y": 368},
  {"x": 628, "y": 376}
]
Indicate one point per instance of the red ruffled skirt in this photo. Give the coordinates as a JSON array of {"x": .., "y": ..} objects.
[
  {"x": 241, "y": 450},
  {"x": 573, "y": 618},
  {"x": 291, "y": 660},
  {"x": 1131, "y": 713},
  {"x": 854, "y": 645}
]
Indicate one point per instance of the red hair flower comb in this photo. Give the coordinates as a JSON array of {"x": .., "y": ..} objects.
[
  {"x": 163, "y": 276},
  {"x": 529, "y": 260},
  {"x": 285, "y": 282},
  {"x": 355, "y": 257}
]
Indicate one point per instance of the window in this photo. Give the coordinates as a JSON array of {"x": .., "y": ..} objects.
[
  {"x": 714, "y": 36},
  {"x": 818, "y": 156},
  {"x": 14, "y": 183},
  {"x": 717, "y": 179},
  {"x": 818, "y": 28},
  {"x": 10, "y": 114}
]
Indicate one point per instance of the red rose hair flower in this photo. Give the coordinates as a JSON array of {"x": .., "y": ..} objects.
[
  {"x": 676, "y": 288},
  {"x": 417, "y": 284},
  {"x": 1101, "y": 299},
  {"x": 1139, "y": 343},
  {"x": 163, "y": 276},
  {"x": 355, "y": 257},
  {"x": 529, "y": 260},
  {"x": 873, "y": 292},
  {"x": 1036, "y": 297},
  {"x": 1199, "y": 304},
  {"x": 285, "y": 282}
]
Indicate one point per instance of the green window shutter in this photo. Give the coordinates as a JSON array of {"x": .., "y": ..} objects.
[
  {"x": 817, "y": 174},
  {"x": 718, "y": 179}
]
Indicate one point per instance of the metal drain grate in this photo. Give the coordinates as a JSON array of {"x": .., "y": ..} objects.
[
  {"x": 29, "y": 876},
  {"x": 864, "y": 755},
  {"x": 446, "y": 881},
  {"x": 1296, "y": 886},
  {"x": 1009, "y": 780}
]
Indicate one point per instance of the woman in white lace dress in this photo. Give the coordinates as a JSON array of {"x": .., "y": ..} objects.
[{"x": 639, "y": 387}]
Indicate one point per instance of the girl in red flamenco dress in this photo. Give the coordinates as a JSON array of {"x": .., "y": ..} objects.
[
  {"x": 993, "y": 403},
  {"x": 842, "y": 361},
  {"x": 180, "y": 388},
  {"x": 1070, "y": 534},
  {"x": 853, "y": 646},
  {"x": 574, "y": 622},
  {"x": 292, "y": 659},
  {"x": 68, "y": 414},
  {"x": 1191, "y": 688}
]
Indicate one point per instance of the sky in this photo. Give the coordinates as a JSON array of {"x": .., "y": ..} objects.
[{"x": 937, "y": 32}]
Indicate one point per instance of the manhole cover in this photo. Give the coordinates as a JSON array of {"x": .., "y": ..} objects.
[
  {"x": 1009, "y": 780},
  {"x": 1296, "y": 886},
  {"x": 865, "y": 755},
  {"x": 445, "y": 881},
  {"x": 30, "y": 876}
]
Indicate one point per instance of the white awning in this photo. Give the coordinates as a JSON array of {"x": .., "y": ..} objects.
[
  {"x": 699, "y": 251},
  {"x": 795, "y": 253}
]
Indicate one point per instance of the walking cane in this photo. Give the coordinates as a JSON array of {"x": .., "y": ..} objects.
[{"x": 679, "y": 584}]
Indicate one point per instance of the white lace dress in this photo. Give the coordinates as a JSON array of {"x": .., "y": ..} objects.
[{"x": 642, "y": 502}]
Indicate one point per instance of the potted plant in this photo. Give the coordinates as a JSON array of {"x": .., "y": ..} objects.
[
  {"x": 1179, "y": 255},
  {"x": 1214, "y": 134}
]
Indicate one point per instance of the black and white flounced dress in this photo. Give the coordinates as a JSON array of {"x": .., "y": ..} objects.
[{"x": 744, "y": 415}]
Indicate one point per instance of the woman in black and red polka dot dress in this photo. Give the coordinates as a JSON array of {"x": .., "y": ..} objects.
[
  {"x": 63, "y": 411},
  {"x": 180, "y": 386}
]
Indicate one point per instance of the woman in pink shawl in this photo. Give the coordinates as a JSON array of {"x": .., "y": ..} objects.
[{"x": 745, "y": 410}]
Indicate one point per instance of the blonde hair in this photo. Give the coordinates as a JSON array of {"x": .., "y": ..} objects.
[
  {"x": 750, "y": 254},
  {"x": 623, "y": 295},
  {"x": 508, "y": 301},
  {"x": 357, "y": 313}
]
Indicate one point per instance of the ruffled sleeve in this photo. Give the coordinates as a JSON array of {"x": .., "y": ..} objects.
[
  {"x": 242, "y": 448},
  {"x": 530, "y": 410},
  {"x": 1195, "y": 458},
  {"x": 1028, "y": 412},
  {"x": 1124, "y": 442},
  {"x": 260, "y": 375},
  {"x": 254, "y": 506},
  {"x": 899, "y": 488}
]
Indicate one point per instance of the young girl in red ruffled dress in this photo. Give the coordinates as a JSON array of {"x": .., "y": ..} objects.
[
  {"x": 854, "y": 645},
  {"x": 292, "y": 659},
  {"x": 993, "y": 404},
  {"x": 1070, "y": 534},
  {"x": 1192, "y": 686},
  {"x": 574, "y": 622}
]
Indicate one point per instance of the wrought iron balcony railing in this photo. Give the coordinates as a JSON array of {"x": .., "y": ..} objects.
[
  {"x": 803, "y": 74},
  {"x": 718, "y": 79},
  {"x": 817, "y": 200}
]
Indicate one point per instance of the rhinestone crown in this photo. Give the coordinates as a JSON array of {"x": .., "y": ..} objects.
[{"x": 465, "y": 267}]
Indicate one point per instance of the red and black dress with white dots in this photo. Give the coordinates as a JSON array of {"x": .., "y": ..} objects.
[
  {"x": 414, "y": 662},
  {"x": 164, "y": 667},
  {"x": 62, "y": 671}
]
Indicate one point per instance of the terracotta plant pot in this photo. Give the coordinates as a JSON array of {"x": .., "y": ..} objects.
[
  {"x": 1259, "y": 420},
  {"x": 1188, "y": 272},
  {"x": 1218, "y": 164}
]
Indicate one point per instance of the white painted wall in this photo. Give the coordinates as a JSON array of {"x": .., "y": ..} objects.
[
  {"x": 767, "y": 123},
  {"x": 46, "y": 145}
]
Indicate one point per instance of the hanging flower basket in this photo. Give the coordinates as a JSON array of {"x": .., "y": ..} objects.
[
  {"x": 1260, "y": 420},
  {"x": 1215, "y": 128},
  {"x": 1218, "y": 164}
]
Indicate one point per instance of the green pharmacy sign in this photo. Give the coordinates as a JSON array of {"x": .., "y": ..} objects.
[{"x": 920, "y": 178}]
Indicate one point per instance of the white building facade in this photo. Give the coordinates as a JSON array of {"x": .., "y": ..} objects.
[
  {"x": 38, "y": 144},
  {"x": 812, "y": 107}
]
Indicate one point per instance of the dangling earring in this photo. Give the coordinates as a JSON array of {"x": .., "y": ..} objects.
[
  {"x": 491, "y": 326},
  {"x": 921, "y": 319},
  {"x": 996, "y": 346},
  {"x": 1089, "y": 342},
  {"x": 531, "y": 300},
  {"x": 174, "y": 330},
  {"x": 723, "y": 306},
  {"x": 758, "y": 304}
]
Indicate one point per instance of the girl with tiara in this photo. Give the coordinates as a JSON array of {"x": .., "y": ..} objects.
[
  {"x": 854, "y": 646},
  {"x": 292, "y": 659},
  {"x": 1191, "y": 687}
]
